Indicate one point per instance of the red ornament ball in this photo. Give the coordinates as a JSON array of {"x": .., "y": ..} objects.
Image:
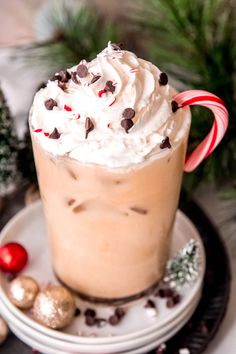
[{"x": 13, "y": 257}]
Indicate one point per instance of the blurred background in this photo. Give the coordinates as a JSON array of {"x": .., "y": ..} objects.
[{"x": 193, "y": 41}]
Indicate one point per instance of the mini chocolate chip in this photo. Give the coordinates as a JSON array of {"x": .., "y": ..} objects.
[
  {"x": 90, "y": 321},
  {"x": 89, "y": 126},
  {"x": 165, "y": 143},
  {"x": 174, "y": 106},
  {"x": 95, "y": 78},
  {"x": 62, "y": 86},
  {"x": 82, "y": 70},
  {"x": 119, "y": 312},
  {"x": 114, "y": 320},
  {"x": 110, "y": 87},
  {"x": 150, "y": 304},
  {"x": 172, "y": 301},
  {"x": 128, "y": 113},
  {"x": 55, "y": 134},
  {"x": 126, "y": 124},
  {"x": 163, "y": 79},
  {"x": 139, "y": 210},
  {"x": 101, "y": 322},
  {"x": 64, "y": 76},
  {"x": 176, "y": 299},
  {"x": 74, "y": 77},
  {"x": 90, "y": 312},
  {"x": 77, "y": 312},
  {"x": 50, "y": 103},
  {"x": 161, "y": 293}
]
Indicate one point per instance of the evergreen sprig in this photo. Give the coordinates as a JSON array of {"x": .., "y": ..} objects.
[
  {"x": 78, "y": 34},
  {"x": 194, "y": 41}
]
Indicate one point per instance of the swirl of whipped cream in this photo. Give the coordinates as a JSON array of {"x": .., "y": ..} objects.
[{"x": 135, "y": 85}]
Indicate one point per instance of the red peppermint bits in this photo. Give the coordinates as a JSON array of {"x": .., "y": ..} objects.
[
  {"x": 101, "y": 92},
  {"x": 38, "y": 130},
  {"x": 46, "y": 134},
  {"x": 67, "y": 108},
  {"x": 78, "y": 116}
]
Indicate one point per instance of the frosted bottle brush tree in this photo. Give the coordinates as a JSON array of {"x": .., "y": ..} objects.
[{"x": 8, "y": 148}]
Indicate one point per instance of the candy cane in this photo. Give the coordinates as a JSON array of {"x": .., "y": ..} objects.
[{"x": 216, "y": 105}]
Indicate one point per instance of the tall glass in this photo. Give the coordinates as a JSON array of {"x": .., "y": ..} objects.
[{"x": 110, "y": 229}]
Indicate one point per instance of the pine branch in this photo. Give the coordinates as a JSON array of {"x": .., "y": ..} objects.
[{"x": 195, "y": 42}]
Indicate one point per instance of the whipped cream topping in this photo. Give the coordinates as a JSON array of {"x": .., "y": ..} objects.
[{"x": 134, "y": 83}]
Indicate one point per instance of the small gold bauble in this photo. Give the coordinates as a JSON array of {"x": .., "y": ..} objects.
[
  {"x": 3, "y": 330},
  {"x": 54, "y": 307},
  {"x": 22, "y": 291}
]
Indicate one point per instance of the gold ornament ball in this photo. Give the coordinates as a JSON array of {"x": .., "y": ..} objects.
[
  {"x": 22, "y": 291},
  {"x": 54, "y": 307},
  {"x": 3, "y": 330}
]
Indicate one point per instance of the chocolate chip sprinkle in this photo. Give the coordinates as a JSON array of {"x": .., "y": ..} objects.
[
  {"x": 110, "y": 87},
  {"x": 172, "y": 301},
  {"x": 119, "y": 312},
  {"x": 64, "y": 76},
  {"x": 50, "y": 103},
  {"x": 77, "y": 312},
  {"x": 163, "y": 79},
  {"x": 114, "y": 320},
  {"x": 82, "y": 70},
  {"x": 128, "y": 113},
  {"x": 62, "y": 86},
  {"x": 74, "y": 77},
  {"x": 90, "y": 321},
  {"x": 127, "y": 124},
  {"x": 95, "y": 78},
  {"x": 89, "y": 126},
  {"x": 174, "y": 106},
  {"x": 165, "y": 143},
  {"x": 165, "y": 293},
  {"x": 55, "y": 134},
  {"x": 90, "y": 312}
]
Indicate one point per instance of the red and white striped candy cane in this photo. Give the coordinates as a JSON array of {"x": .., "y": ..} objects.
[{"x": 220, "y": 124}]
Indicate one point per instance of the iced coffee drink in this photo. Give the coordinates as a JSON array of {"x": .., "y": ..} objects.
[{"x": 109, "y": 145}]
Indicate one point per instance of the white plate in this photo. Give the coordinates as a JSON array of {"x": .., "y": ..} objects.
[
  {"x": 28, "y": 228},
  {"x": 106, "y": 348},
  {"x": 45, "y": 348}
]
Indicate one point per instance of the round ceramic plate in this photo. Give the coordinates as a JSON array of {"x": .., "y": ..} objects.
[
  {"x": 17, "y": 324},
  {"x": 28, "y": 228}
]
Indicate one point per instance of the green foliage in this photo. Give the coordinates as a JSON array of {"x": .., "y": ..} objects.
[
  {"x": 194, "y": 41},
  {"x": 8, "y": 145},
  {"x": 78, "y": 34}
]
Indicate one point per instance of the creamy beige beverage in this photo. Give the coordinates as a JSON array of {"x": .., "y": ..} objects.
[{"x": 109, "y": 146}]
